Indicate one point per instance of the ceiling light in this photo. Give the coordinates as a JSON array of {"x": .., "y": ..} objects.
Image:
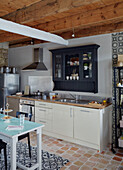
[
  {"x": 30, "y": 32},
  {"x": 73, "y": 35}
]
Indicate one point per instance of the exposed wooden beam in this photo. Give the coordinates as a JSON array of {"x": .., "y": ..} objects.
[
  {"x": 94, "y": 30},
  {"x": 30, "y": 32}
]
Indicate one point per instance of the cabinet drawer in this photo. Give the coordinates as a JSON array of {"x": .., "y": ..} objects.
[
  {"x": 40, "y": 112},
  {"x": 43, "y": 113},
  {"x": 86, "y": 110},
  {"x": 47, "y": 123},
  {"x": 43, "y": 104}
]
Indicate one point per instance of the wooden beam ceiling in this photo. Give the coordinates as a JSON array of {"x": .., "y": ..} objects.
[{"x": 88, "y": 17}]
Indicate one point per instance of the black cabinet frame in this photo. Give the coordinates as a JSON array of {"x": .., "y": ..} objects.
[{"x": 82, "y": 84}]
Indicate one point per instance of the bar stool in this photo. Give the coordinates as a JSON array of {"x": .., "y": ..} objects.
[
  {"x": 3, "y": 146},
  {"x": 27, "y": 134}
]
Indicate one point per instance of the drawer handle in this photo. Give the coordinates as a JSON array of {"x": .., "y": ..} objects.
[
  {"x": 42, "y": 121},
  {"x": 42, "y": 110},
  {"x": 84, "y": 111}
]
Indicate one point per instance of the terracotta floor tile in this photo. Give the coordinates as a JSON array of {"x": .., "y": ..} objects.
[
  {"x": 64, "y": 148},
  {"x": 87, "y": 155},
  {"x": 74, "y": 149},
  {"x": 55, "y": 142},
  {"x": 60, "y": 151},
  {"x": 85, "y": 168},
  {"x": 100, "y": 166},
  {"x": 72, "y": 159},
  {"x": 91, "y": 152},
  {"x": 90, "y": 164},
  {"x": 117, "y": 158},
  {"x": 59, "y": 144},
  {"x": 80, "y": 152},
  {"x": 119, "y": 154},
  {"x": 83, "y": 159},
  {"x": 111, "y": 167},
  {"x": 116, "y": 163},
  {"x": 70, "y": 152},
  {"x": 59, "y": 139},
  {"x": 67, "y": 156},
  {"x": 68, "y": 164},
  {"x": 80, "y": 157},
  {"x": 98, "y": 155},
  {"x": 104, "y": 161},
  {"x": 78, "y": 163},
  {"x": 73, "y": 167},
  {"x": 76, "y": 155},
  {"x": 94, "y": 159}
]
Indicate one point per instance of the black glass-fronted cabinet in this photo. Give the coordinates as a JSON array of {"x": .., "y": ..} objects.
[{"x": 75, "y": 69}]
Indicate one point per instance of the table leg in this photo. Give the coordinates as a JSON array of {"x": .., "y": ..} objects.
[
  {"x": 39, "y": 147},
  {"x": 13, "y": 153}
]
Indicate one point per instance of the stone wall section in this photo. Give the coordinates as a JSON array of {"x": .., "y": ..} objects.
[{"x": 3, "y": 57}]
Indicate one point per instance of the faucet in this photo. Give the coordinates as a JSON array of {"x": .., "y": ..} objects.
[{"x": 76, "y": 97}]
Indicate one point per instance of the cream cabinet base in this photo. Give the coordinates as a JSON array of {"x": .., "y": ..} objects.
[{"x": 72, "y": 140}]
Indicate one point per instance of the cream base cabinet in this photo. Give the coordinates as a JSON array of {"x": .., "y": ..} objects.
[
  {"x": 87, "y": 125},
  {"x": 63, "y": 120},
  {"x": 43, "y": 115}
]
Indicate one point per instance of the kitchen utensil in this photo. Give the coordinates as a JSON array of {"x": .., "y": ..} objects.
[{"x": 38, "y": 93}]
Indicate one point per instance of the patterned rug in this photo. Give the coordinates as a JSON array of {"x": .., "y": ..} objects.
[{"x": 49, "y": 161}]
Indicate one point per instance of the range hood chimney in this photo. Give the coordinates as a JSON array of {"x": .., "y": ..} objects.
[{"x": 38, "y": 61}]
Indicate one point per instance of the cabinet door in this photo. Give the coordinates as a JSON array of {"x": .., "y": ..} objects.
[
  {"x": 63, "y": 120},
  {"x": 87, "y": 125},
  {"x": 57, "y": 66},
  {"x": 72, "y": 62},
  {"x": 87, "y": 64}
]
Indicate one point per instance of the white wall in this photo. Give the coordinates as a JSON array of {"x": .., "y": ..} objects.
[{"x": 22, "y": 56}]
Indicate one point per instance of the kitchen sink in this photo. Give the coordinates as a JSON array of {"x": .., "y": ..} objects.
[{"x": 73, "y": 101}]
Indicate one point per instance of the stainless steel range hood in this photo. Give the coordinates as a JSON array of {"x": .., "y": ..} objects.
[{"x": 38, "y": 61}]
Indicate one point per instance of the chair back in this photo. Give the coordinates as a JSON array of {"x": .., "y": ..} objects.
[{"x": 26, "y": 115}]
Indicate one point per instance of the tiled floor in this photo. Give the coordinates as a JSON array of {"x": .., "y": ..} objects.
[{"x": 80, "y": 157}]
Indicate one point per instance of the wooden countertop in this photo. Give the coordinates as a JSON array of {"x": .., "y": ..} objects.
[{"x": 65, "y": 103}]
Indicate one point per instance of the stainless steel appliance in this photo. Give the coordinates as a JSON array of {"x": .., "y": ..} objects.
[
  {"x": 27, "y": 106},
  {"x": 9, "y": 84}
]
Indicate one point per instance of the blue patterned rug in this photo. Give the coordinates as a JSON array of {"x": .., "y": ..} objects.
[{"x": 49, "y": 161}]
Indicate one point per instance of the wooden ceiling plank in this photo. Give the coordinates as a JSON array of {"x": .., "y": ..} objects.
[
  {"x": 101, "y": 15},
  {"x": 109, "y": 13},
  {"x": 96, "y": 30},
  {"x": 47, "y": 8}
]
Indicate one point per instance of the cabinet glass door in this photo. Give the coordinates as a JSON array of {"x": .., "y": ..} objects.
[
  {"x": 58, "y": 67},
  {"x": 87, "y": 65},
  {"x": 72, "y": 66}
]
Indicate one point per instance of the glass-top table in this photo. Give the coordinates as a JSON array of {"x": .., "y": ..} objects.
[{"x": 11, "y": 136}]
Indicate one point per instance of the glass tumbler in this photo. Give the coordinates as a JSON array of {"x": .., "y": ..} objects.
[{"x": 22, "y": 118}]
